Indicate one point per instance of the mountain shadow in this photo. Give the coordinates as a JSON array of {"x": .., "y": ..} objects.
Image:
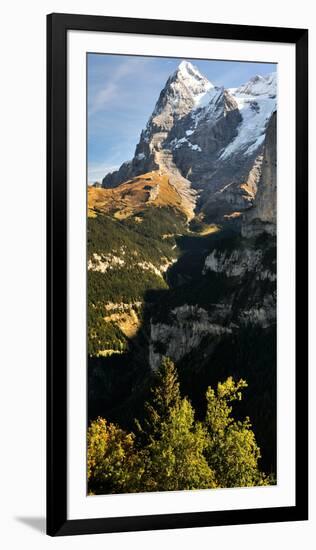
[{"x": 235, "y": 339}]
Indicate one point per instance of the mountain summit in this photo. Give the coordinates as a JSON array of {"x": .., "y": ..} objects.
[
  {"x": 209, "y": 140},
  {"x": 184, "y": 90},
  {"x": 181, "y": 254}
]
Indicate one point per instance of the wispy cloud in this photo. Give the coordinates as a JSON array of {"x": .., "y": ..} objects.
[
  {"x": 103, "y": 97},
  {"x": 111, "y": 90},
  {"x": 122, "y": 92},
  {"x": 98, "y": 170}
]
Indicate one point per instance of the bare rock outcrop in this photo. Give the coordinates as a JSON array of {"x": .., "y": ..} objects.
[
  {"x": 262, "y": 216},
  {"x": 208, "y": 138}
]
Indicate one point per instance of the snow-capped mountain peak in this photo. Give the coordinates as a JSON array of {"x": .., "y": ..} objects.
[
  {"x": 189, "y": 73},
  {"x": 259, "y": 85},
  {"x": 198, "y": 85},
  {"x": 184, "y": 91},
  {"x": 256, "y": 100},
  {"x": 186, "y": 68},
  {"x": 188, "y": 81},
  {"x": 205, "y": 136}
]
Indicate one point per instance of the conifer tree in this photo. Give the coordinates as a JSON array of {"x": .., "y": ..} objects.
[
  {"x": 165, "y": 395},
  {"x": 174, "y": 451},
  {"x": 175, "y": 441}
]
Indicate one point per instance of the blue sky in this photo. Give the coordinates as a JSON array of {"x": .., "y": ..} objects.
[{"x": 122, "y": 92}]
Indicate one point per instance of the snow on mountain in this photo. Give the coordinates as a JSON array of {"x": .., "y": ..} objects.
[
  {"x": 189, "y": 76},
  {"x": 185, "y": 90},
  {"x": 208, "y": 107},
  {"x": 176, "y": 143},
  {"x": 256, "y": 102},
  {"x": 259, "y": 85},
  {"x": 206, "y": 138}
]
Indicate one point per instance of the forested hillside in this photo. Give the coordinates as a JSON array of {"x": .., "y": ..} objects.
[{"x": 182, "y": 291}]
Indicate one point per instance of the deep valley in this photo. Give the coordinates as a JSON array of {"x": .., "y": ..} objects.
[{"x": 182, "y": 256}]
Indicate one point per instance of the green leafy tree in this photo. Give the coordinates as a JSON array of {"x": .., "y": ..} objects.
[
  {"x": 113, "y": 464},
  {"x": 176, "y": 460},
  {"x": 175, "y": 441},
  {"x": 173, "y": 451},
  {"x": 232, "y": 451}
]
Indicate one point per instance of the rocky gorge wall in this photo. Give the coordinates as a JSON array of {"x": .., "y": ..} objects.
[
  {"x": 262, "y": 217},
  {"x": 238, "y": 291}
]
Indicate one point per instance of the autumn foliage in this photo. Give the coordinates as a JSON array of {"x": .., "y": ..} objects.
[{"x": 172, "y": 450}]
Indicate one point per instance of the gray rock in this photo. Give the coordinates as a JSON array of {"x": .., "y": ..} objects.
[
  {"x": 208, "y": 138},
  {"x": 262, "y": 216}
]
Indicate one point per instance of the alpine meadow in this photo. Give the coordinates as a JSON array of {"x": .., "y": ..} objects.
[{"x": 181, "y": 274}]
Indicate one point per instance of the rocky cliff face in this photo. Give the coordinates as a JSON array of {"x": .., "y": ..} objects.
[
  {"x": 208, "y": 139},
  {"x": 211, "y": 149},
  {"x": 182, "y": 93},
  {"x": 262, "y": 216},
  {"x": 204, "y": 293},
  {"x": 253, "y": 269},
  {"x": 187, "y": 327},
  {"x": 238, "y": 292}
]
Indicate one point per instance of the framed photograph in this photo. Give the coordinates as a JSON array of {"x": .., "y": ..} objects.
[{"x": 176, "y": 274}]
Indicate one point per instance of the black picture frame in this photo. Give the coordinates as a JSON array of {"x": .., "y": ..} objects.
[{"x": 57, "y": 27}]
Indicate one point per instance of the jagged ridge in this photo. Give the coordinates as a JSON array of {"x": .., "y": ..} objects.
[{"x": 208, "y": 139}]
